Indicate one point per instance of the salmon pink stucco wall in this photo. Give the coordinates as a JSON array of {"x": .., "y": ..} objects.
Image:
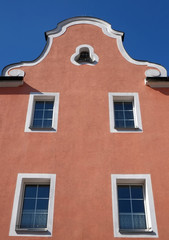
[{"x": 83, "y": 153}]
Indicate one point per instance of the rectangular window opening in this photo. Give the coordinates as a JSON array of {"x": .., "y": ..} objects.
[
  {"x": 34, "y": 212},
  {"x": 43, "y": 115},
  {"x": 132, "y": 216},
  {"x": 124, "y": 116}
]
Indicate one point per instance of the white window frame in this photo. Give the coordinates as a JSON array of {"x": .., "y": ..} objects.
[
  {"x": 133, "y": 97},
  {"x": 44, "y": 96},
  {"x": 145, "y": 179},
  {"x": 27, "y": 178}
]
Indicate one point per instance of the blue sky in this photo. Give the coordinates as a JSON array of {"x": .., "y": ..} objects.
[{"x": 144, "y": 22}]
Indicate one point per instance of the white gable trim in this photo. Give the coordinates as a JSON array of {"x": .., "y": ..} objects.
[{"x": 155, "y": 70}]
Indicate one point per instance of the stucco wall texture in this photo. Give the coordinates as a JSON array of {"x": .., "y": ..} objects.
[{"x": 83, "y": 153}]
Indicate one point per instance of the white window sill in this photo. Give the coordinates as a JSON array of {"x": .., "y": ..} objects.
[
  {"x": 33, "y": 129},
  {"x": 31, "y": 230},
  {"x": 130, "y": 231},
  {"x": 127, "y": 130}
]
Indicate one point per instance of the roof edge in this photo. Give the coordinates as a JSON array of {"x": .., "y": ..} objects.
[
  {"x": 157, "y": 82},
  {"x": 11, "y": 81},
  {"x": 62, "y": 26}
]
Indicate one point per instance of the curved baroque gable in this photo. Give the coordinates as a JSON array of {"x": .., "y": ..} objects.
[{"x": 155, "y": 70}]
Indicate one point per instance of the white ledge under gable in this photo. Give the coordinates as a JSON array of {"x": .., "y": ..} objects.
[{"x": 154, "y": 70}]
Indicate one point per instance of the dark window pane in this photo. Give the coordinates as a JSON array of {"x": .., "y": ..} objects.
[
  {"x": 30, "y": 191},
  {"x": 27, "y": 221},
  {"x": 119, "y": 115},
  {"x": 129, "y": 124},
  {"x": 49, "y": 105},
  {"x": 35, "y": 206},
  {"x": 139, "y": 221},
  {"x": 128, "y": 114},
  {"x": 131, "y": 207},
  {"x": 47, "y": 123},
  {"x": 29, "y": 204},
  {"x": 124, "y": 206},
  {"x": 38, "y": 114},
  {"x": 43, "y": 191},
  {"x": 137, "y": 192},
  {"x": 123, "y": 192},
  {"x": 37, "y": 123},
  {"x": 125, "y": 222},
  {"x": 128, "y": 106},
  {"x": 42, "y": 204},
  {"x": 39, "y": 105},
  {"x": 41, "y": 220},
  {"x": 124, "y": 117},
  {"x": 43, "y": 114},
  {"x": 48, "y": 114},
  {"x": 118, "y": 106},
  {"x": 138, "y": 206},
  {"x": 119, "y": 124}
]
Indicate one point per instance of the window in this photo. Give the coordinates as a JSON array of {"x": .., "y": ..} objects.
[
  {"x": 42, "y": 115},
  {"x": 124, "y": 112},
  {"x": 33, "y": 205},
  {"x": 84, "y": 55},
  {"x": 133, "y": 206}
]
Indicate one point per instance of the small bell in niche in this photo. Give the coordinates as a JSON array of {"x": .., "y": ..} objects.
[{"x": 84, "y": 57}]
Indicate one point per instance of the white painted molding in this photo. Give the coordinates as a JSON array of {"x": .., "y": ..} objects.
[
  {"x": 34, "y": 178},
  {"x": 152, "y": 73},
  {"x": 83, "y": 47},
  {"x": 107, "y": 30},
  {"x": 17, "y": 72},
  {"x": 36, "y": 96},
  {"x": 7, "y": 70},
  {"x": 114, "y": 96},
  {"x": 149, "y": 203}
]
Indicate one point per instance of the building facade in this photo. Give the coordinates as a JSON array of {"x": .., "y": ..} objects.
[{"x": 84, "y": 140}]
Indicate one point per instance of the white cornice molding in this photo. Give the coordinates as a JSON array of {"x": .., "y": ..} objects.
[
  {"x": 155, "y": 70},
  {"x": 8, "y": 70},
  {"x": 62, "y": 26}
]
